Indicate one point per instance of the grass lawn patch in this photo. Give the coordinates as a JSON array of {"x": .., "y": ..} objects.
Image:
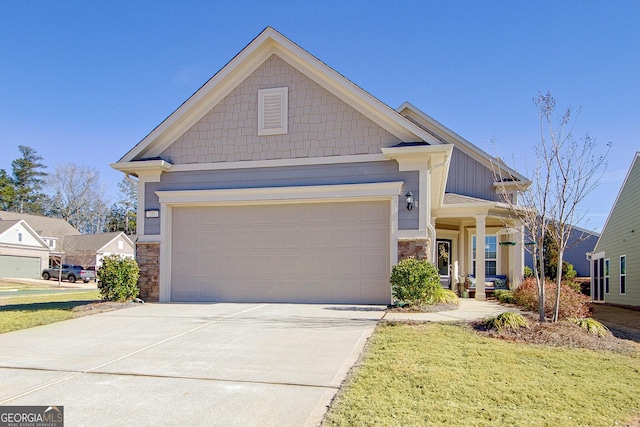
[
  {"x": 437, "y": 374},
  {"x": 22, "y": 312}
]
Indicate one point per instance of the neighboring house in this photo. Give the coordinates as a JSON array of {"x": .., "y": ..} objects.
[
  {"x": 51, "y": 230},
  {"x": 581, "y": 242},
  {"x": 90, "y": 249},
  {"x": 281, "y": 181},
  {"x": 615, "y": 262},
  {"x": 23, "y": 254}
]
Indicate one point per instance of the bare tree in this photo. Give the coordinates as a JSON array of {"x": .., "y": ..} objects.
[
  {"x": 77, "y": 189},
  {"x": 575, "y": 171},
  {"x": 531, "y": 199},
  {"x": 565, "y": 172}
]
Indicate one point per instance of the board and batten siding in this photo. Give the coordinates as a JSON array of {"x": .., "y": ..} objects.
[
  {"x": 621, "y": 236},
  {"x": 291, "y": 176},
  {"x": 469, "y": 177}
]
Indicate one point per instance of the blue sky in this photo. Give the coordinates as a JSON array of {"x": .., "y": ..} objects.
[{"x": 85, "y": 81}]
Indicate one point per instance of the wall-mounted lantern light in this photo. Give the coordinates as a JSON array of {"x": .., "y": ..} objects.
[{"x": 409, "y": 200}]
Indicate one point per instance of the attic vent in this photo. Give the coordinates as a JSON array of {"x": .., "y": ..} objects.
[{"x": 272, "y": 111}]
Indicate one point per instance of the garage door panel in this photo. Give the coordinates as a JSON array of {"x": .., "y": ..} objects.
[
  {"x": 316, "y": 238},
  {"x": 374, "y": 265},
  {"x": 373, "y": 215},
  {"x": 306, "y": 252},
  {"x": 19, "y": 266},
  {"x": 344, "y": 237},
  {"x": 372, "y": 240}
]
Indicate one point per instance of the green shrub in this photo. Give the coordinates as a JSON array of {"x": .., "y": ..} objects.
[
  {"x": 505, "y": 296},
  {"x": 118, "y": 278},
  {"x": 507, "y": 321},
  {"x": 528, "y": 272},
  {"x": 573, "y": 285},
  {"x": 572, "y": 303},
  {"x": 444, "y": 296},
  {"x": 568, "y": 272},
  {"x": 414, "y": 281},
  {"x": 592, "y": 326}
]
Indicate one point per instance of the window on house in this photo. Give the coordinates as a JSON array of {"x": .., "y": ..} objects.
[
  {"x": 606, "y": 276},
  {"x": 19, "y": 237},
  {"x": 273, "y": 109},
  {"x": 120, "y": 244},
  {"x": 623, "y": 274},
  {"x": 490, "y": 255}
]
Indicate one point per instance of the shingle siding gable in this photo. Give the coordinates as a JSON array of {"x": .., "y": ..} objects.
[{"x": 320, "y": 124}]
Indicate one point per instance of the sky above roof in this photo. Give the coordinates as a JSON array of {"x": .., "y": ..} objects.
[{"x": 84, "y": 82}]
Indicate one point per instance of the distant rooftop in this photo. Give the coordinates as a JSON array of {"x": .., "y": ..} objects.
[{"x": 43, "y": 225}]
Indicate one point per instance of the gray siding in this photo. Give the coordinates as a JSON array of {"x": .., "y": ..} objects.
[
  {"x": 319, "y": 124},
  {"x": 621, "y": 236},
  {"x": 349, "y": 173},
  {"x": 113, "y": 247},
  {"x": 469, "y": 177},
  {"x": 576, "y": 255}
]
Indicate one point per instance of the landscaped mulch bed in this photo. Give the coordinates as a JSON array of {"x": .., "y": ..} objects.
[
  {"x": 433, "y": 308},
  {"x": 102, "y": 307},
  {"x": 562, "y": 333}
]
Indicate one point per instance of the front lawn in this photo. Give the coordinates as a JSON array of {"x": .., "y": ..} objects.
[
  {"x": 22, "y": 312},
  {"x": 436, "y": 374}
]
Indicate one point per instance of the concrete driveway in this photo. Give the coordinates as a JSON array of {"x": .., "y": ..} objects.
[{"x": 188, "y": 364}]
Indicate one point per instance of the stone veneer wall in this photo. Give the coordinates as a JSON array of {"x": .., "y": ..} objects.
[
  {"x": 418, "y": 248},
  {"x": 148, "y": 258}
]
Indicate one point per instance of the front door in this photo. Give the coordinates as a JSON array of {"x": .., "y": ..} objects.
[
  {"x": 444, "y": 262},
  {"x": 598, "y": 279}
]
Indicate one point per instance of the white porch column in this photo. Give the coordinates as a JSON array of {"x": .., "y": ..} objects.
[
  {"x": 480, "y": 264},
  {"x": 434, "y": 249},
  {"x": 463, "y": 269},
  {"x": 141, "y": 218},
  {"x": 518, "y": 258}
]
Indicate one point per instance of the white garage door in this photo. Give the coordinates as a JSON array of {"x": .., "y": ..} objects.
[
  {"x": 19, "y": 267},
  {"x": 308, "y": 252}
]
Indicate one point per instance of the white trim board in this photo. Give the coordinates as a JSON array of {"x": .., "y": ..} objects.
[
  {"x": 275, "y": 163},
  {"x": 320, "y": 193},
  {"x": 383, "y": 191}
]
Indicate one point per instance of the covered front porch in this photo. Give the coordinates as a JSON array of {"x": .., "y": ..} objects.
[{"x": 479, "y": 246}]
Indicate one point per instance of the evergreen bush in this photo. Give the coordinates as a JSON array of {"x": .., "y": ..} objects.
[
  {"x": 415, "y": 282},
  {"x": 118, "y": 278}
]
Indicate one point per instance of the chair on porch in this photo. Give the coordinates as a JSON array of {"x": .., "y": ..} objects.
[{"x": 492, "y": 282}]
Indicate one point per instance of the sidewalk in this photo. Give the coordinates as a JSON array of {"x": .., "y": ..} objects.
[{"x": 469, "y": 309}]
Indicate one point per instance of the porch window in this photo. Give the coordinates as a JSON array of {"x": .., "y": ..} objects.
[
  {"x": 623, "y": 274},
  {"x": 490, "y": 255},
  {"x": 606, "y": 275}
]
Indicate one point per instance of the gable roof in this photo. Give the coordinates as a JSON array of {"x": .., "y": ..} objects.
[
  {"x": 438, "y": 130},
  {"x": 44, "y": 226},
  {"x": 268, "y": 43},
  {"x": 6, "y": 225},
  {"x": 635, "y": 163},
  {"x": 93, "y": 242}
]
